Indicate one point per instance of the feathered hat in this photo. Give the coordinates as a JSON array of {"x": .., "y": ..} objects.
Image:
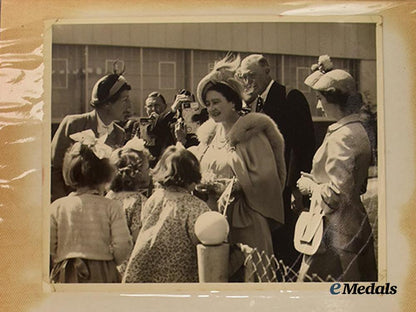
[
  {"x": 223, "y": 72},
  {"x": 325, "y": 78}
]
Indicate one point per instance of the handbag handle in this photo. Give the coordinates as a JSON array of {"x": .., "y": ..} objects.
[{"x": 309, "y": 228}]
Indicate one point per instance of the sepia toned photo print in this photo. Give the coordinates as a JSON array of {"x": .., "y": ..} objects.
[{"x": 224, "y": 152}]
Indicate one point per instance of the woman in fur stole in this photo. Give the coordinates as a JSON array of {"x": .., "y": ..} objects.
[{"x": 248, "y": 148}]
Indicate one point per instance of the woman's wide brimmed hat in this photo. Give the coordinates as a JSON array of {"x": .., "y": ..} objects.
[
  {"x": 325, "y": 78},
  {"x": 223, "y": 72}
]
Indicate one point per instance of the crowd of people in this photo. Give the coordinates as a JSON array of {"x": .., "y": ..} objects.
[{"x": 126, "y": 195}]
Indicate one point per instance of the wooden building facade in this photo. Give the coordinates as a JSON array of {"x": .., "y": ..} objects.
[{"x": 169, "y": 57}]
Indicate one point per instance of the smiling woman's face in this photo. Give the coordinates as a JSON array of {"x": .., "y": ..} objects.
[{"x": 219, "y": 108}]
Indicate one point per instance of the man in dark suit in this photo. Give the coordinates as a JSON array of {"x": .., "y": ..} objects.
[
  {"x": 161, "y": 130},
  {"x": 292, "y": 115},
  {"x": 158, "y": 134},
  {"x": 110, "y": 99}
]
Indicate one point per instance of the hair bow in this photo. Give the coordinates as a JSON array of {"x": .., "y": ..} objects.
[
  {"x": 135, "y": 144},
  {"x": 99, "y": 148}
]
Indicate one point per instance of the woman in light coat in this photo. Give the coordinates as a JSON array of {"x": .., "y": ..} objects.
[
  {"x": 338, "y": 179},
  {"x": 248, "y": 149}
]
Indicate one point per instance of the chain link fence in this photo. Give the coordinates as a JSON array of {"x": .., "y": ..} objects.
[{"x": 262, "y": 268}]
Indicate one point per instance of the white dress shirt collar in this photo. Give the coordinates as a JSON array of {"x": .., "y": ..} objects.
[
  {"x": 263, "y": 96},
  {"x": 266, "y": 91},
  {"x": 102, "y": 129}
]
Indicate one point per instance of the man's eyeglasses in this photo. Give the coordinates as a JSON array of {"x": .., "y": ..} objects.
[{"x": 246, "y": 76}]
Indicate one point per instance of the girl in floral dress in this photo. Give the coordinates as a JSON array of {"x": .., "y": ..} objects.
[
  {"x": 130, "y": 184},
  {"x": 165, "y": 250}
]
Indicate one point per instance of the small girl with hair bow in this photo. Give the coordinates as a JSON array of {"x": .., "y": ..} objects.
[
  {"x": 131, "y": 181},
  {"x": 89, "y": 235}
]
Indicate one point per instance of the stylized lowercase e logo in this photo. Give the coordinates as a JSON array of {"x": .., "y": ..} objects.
[{"x": 334, "y": 289}]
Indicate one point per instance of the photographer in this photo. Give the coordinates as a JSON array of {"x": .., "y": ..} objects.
[
  {"x": 190, "y": 115},
  {"x": 159, "y": 128}
]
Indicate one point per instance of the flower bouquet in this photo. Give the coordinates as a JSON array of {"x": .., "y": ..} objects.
[{"x": 223, "y": 189}]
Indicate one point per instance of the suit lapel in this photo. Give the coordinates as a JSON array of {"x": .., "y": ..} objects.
[
  {"x": 116, "y": 138},
  {"x": 92, "y": 122},
  {"x": 276, "y": 95}
]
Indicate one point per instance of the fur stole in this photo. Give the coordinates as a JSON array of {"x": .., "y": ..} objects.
[{"x": 245, "y": 128}]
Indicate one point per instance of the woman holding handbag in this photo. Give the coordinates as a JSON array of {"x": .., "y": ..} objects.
[{"x": 336, "y": 182}]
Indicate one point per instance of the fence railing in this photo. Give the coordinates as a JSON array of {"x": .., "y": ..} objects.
[{"x": 258, "y": 267}]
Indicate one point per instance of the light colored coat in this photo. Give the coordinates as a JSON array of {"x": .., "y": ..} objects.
[
  {"x": 340, "y": 167},
  {"x": 257, "y": 160}
]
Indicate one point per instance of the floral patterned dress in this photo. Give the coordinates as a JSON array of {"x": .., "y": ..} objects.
[
  {"x": 132, "y": 204},
  {"x": 165, "y": 250}
]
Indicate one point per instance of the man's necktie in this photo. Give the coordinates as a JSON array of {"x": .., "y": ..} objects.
[{"x": 259, "y": 104}]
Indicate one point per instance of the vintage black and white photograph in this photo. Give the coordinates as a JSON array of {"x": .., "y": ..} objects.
[{"x": 226, "y": 152}]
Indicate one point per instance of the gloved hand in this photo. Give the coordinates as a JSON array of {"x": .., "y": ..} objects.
[{"x": 306, "y": 184}]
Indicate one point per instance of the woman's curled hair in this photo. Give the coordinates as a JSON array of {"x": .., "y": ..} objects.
[
  {"x": 177, "y": 167},
  {"x": 229, "y": 93},
  {"x": 82, "y": 168},
  {"x": 348, "y": 103}
]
